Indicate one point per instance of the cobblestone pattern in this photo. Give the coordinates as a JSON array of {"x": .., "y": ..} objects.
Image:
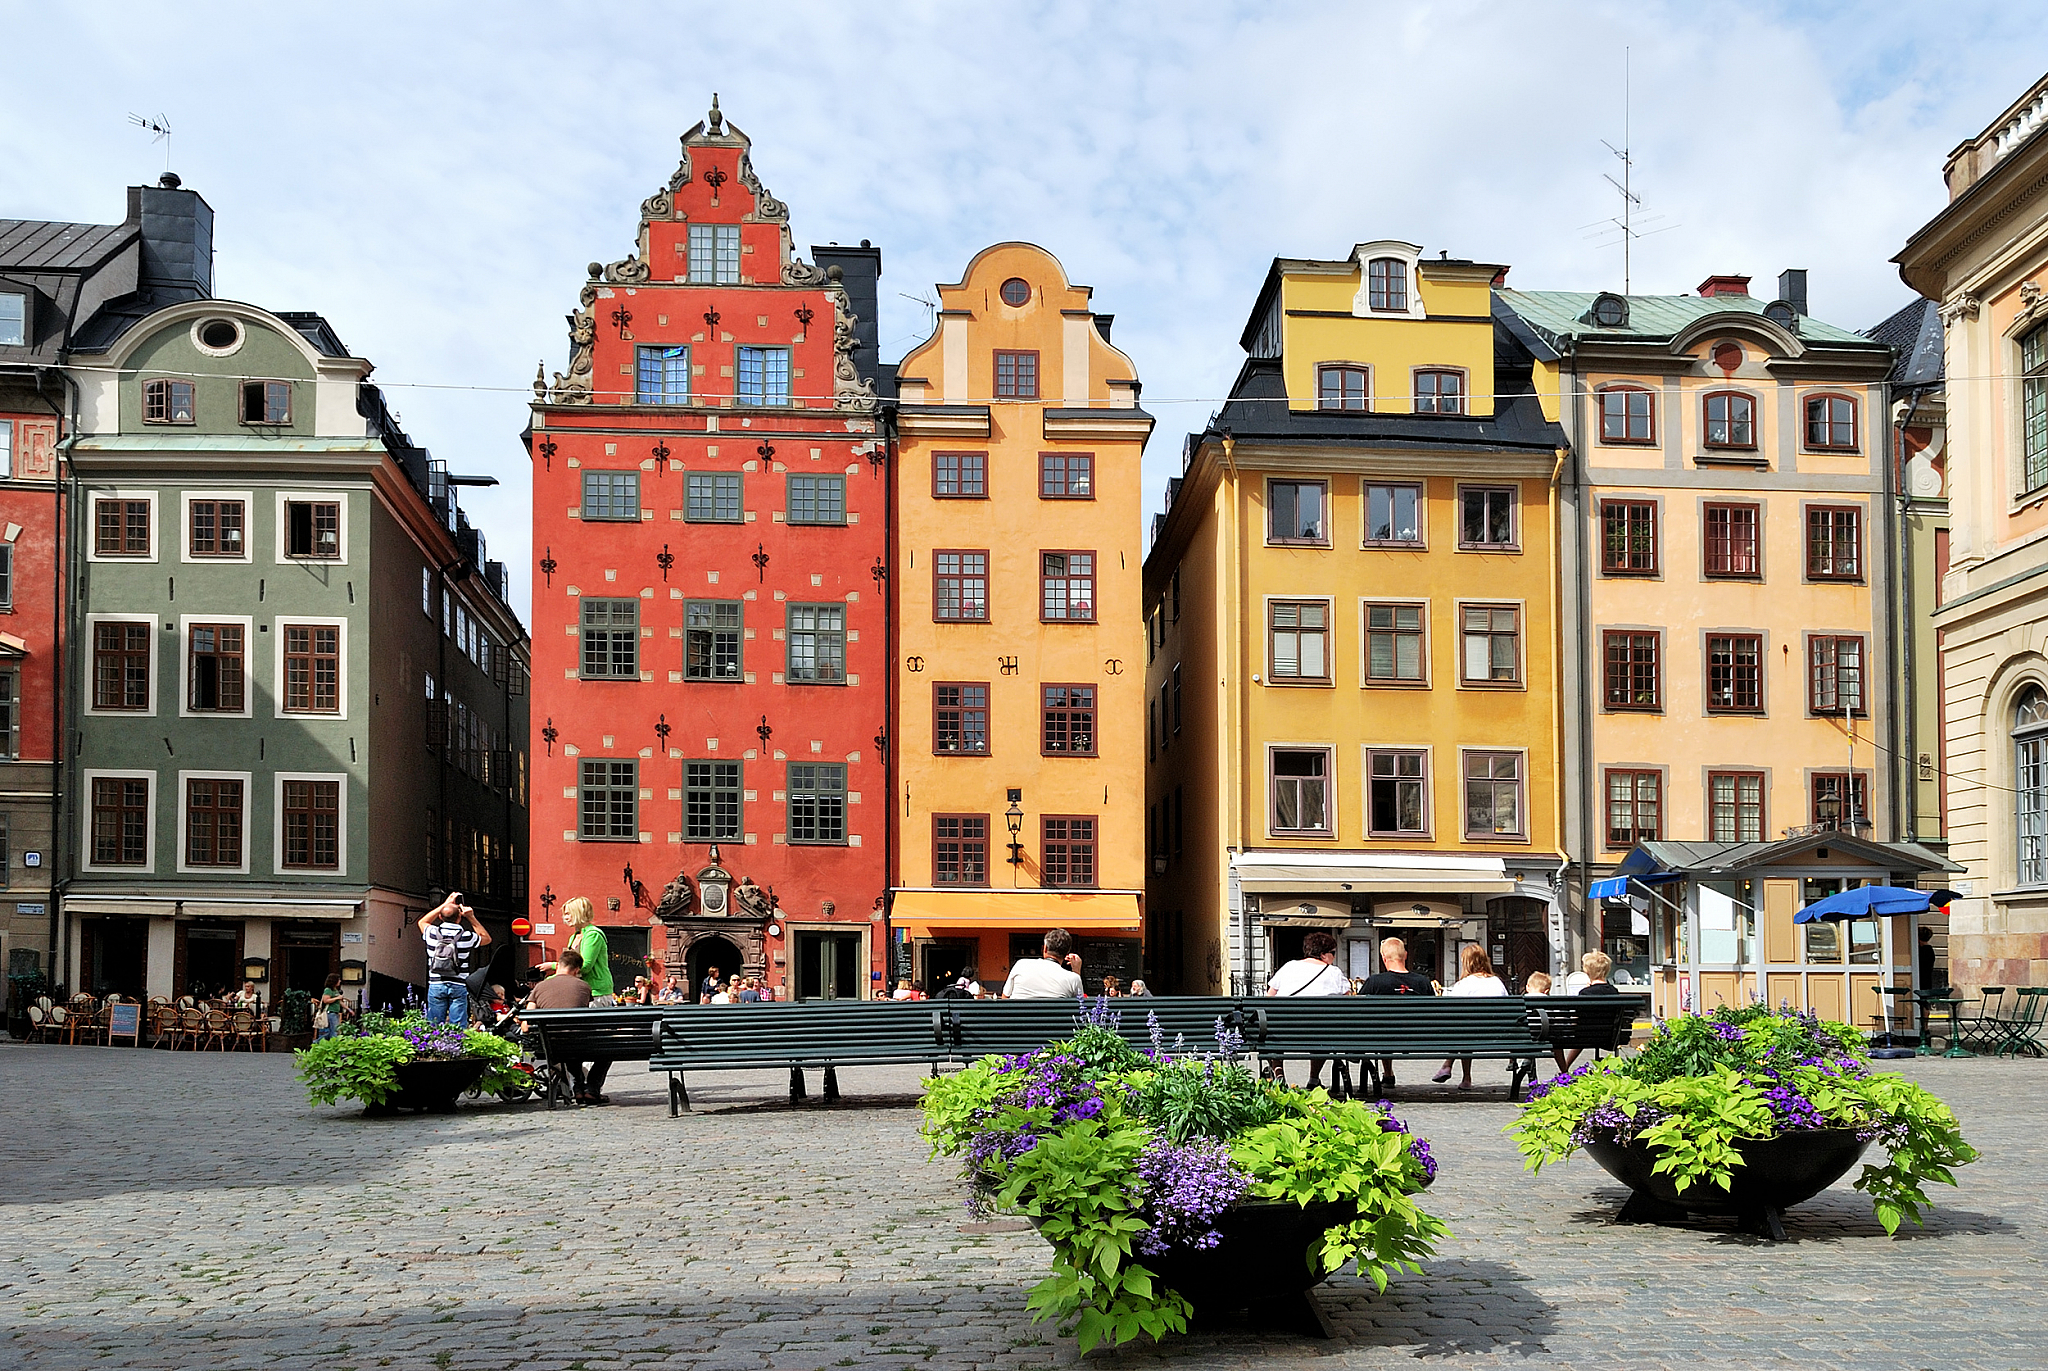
[{"x": 190, "y": 1211}]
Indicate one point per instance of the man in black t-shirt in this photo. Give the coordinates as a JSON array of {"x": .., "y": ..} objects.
[{"x": 1394, "y": 978}]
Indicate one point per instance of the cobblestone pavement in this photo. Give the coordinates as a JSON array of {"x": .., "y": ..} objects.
[{"x": 161, "y": 1210}]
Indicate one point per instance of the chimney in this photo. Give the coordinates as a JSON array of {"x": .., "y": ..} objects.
[
  {"x": 1792, "y": 288},
  {"x": 1724, "y": 285},
  {"x": 177, "y": 239},
  {"x": 860, "y": 271},
  {"x": 1102, "y": 323}
]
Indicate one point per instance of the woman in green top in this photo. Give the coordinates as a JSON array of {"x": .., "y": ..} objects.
[{"x": 589, "y": 942}]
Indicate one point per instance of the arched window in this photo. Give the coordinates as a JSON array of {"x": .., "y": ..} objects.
[
  {"x": 1387, "y": 284},
  {"x": 1731, "y": 420},
  {"x": 2034, "y": 407},
  {"x": 1831, "y": 423},
  {"x": 2030, "y": 780},
  {"x": 1627, "y": 415}
]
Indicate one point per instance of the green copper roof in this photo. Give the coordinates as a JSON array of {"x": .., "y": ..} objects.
[{"x": 1561, "y": 314}]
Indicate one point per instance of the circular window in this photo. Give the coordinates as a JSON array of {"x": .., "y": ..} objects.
[
  {"x": 1610, "y": 311},
  {"x": 219, "y": 335},
  {"x": 1016, "y": 291},
  {"x": 1727, "y": 356}
]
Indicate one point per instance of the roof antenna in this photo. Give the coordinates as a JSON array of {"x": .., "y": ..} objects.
[
  {"x": 161, "y": 127},
  {"x": 1628, "y": 225}
]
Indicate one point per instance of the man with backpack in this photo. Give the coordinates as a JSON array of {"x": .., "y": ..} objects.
[{"x": 451, "y": 933}]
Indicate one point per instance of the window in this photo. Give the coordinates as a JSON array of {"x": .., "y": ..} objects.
[
  {"x": 764, "y": 376},
  {"x": 959, "y": 849},
  {"x": 213, "y": 822},
  {"x": 1732, "y": 545},
  {"x": 1834, "y": 542},
  {"x": 1068, "y": 845},
  {"x": 312, "y": 825},
  {"x": 1066, "y": 585},
  {"x": 6, "y": 449},
  {"x": 13, "y": 320},
  {"x": 1343, "y": 388},
  {"x": 167, "y": 402},
  {"x": 427, "y": 591},
  {"x": 1628, "y": 537},
  {"x": 1066, "y": 475},
  {"x": 10, "y": 714},
  {"x": 217, "y": 528},
  {"x": 817, "y": 644},
  {"x": 6, "y": 575},
  {"x": 1397, "y": 793},
  {"x": 1394, "y": 643},
  {"x": 1635, "y": 804},
  {"x": 1835, "y": 675},
  {"x": 960, "y": 587},
  {"x": 1735, "y": 673},
  {"x": 1016, "y": 292},
  {"x": 711, "y": 801},
  {"x": 608, "y": 801},
  {"x": 266, "y": 402},
  {"x": 1016, "y": 375},
  {"x": 1831, "y": 422},
  {"x": 1151, "y": 728},
  {"x": 1633, "y": 677},
  {"x": 120, "y": 821},
  {"x": 1492, "y": 643},
  {"x": 960, "y": 718},
  {"x": 2030, "y": 781},
  {"x": 1386, "y": 284},
  {"x": 120, "y": 666},
  {"x": 960, "y": 475},
  {"x": 1295, "y": 512},
  {"x": 2034, "y": 409},
  {"x": 312, "y": 528},
  {"x": 1298, "y": 633},
  {"x": 1627, "y": 416},
  {"x": 1493, "y": 794},
  {"x": 1833, "y": 809},
  {"x": 312, "y": 668},
  {"x": 1393, "y": 515},
  {"x": 214, "y": 678},
  {"x": 1439, "y": 392},
  {"x": 715, "y": 254},
  {"x": 1486, "y": 516},
  {"x": 710, "y": 497},
  {"x": 613, "y": 495},
  {"x": 711, "y": 640},
  {"x": 817, "y": 499},
  {"x": 1730, "y": 420},
  {"x": 611, "y": 639},
  {"x": 1175, "y": 680},
  {"x": 1735, "y": 806},
  {"x": 662, "y": 376},
  {"x": 120, "y": 528},
  {"x": 817, "y": 802},
  {"x": 1301, "y": 790},
  {"x": 1069, "y": 720}
]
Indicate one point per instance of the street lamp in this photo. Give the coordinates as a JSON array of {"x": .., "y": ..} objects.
[
  {"x": 1828, "y": 809},
  {"x": 1014, "y": 817}
]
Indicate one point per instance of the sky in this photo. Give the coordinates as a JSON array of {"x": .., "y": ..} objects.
[{"x": 433, "y": 178}]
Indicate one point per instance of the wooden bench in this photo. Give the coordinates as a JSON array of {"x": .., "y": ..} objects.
[
  {"x": 824, "y": 1035},
  {"x": 1376, "y": 1028},
  {"x": 586, "y": 1035},
  {"x": 1601, "y": 1023}
]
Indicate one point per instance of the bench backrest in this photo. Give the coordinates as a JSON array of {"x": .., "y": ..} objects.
[
  {"x": 1362, "y": 1025},
  {"x": 817, "y": 1033},
  {"x": 586, "y": 1034},
  {"x": 1602, "y": 1021}
]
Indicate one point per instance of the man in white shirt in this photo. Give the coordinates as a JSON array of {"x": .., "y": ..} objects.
[
  {"x": 1054, "y": 974},
  {"x": 1315, "y": 973}
]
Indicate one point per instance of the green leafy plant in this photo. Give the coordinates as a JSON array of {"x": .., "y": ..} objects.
[
  {"x": 350, "y": 1068},
  {"x": 1704, "y": 1084}
]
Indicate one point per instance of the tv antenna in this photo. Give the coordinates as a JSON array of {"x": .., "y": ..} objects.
[
  {"x": 931, "y": 308},
  {"x": 1631, "y": 223},
  {"x": 161, "y": 127}
]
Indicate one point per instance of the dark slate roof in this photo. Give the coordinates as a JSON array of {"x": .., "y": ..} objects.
[
  {"x": 38, "y": 245},
  {"x": 1914, "y": 336},
  {"x": 316, "y": 330}
]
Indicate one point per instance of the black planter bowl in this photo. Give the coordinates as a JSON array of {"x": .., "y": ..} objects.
[
  {"x": 1776, "y": 1173},
  {"x": 430, "y": 1085}
]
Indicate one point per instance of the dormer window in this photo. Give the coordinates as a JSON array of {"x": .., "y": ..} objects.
[
  {"x": 167, "y": 402},
  {"x": 13, "y": 319},
  {"x": 1439, "y": 392},
  {"x": 1387, "y": 285},
  {"x": 1609, "y": 311},
  {"x": 266, "y": 402},
  {"x": 1343, "y": 387}
]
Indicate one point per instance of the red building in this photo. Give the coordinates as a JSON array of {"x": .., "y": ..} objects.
[{"x": 711, "y": 667}]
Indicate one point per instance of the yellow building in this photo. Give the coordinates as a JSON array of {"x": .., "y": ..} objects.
[
  {"x": 1352, "y": 716},
  {"x": 1728, "y": 539},
  {"x": 1018, "y": 629}
]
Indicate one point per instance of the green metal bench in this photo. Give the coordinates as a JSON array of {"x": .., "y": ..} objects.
[
  {"x": 584, "y": 1035},
  {"x": 815, "y": 1035}
]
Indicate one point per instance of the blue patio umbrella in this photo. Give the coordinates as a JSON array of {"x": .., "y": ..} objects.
[{"x": 1872, "y": 902}]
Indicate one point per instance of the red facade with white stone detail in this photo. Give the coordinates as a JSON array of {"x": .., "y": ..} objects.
[{"x": 805, "y": 909}]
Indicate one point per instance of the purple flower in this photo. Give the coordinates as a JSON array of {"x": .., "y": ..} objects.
[{"x": 1186, "y": 1186}]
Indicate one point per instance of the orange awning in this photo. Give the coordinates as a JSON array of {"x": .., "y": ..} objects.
[{"x": 931, "y": 913}]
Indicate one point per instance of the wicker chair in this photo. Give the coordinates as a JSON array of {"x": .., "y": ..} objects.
[
  {"x": 41, "y": 1027},
  {"x": 220, "y": 1028},
  {"x": 191, "y": 1027},
  {"x": 163, "y": 1025},
  {"x": 245, "y": 1033}
]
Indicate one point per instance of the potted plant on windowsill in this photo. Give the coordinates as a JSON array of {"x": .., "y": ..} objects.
[
  {"x": 1745, "y": 1112},
  {"x": 1174, "y": 1185},
  {"x": 403, "y": 1062}
]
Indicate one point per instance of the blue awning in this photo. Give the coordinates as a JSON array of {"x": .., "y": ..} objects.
[{"x": 1612, "y": 888}]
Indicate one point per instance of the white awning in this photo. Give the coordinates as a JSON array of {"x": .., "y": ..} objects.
[
  {"x": 1365, "y": 873},
  {"x": 167, "y": 907}
]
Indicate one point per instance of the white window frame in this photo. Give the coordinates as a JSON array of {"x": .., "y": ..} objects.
[
  {"x": 92, "y": 623},
  {"x": 85, "y": 862},
  {"x": 277, "y": 866},
  {"x": 248, "y": 803},
  {"x": 311, "y": 497},
  {"x": 92, "y": 525},
  {"x": 27, "y": 319},
  {"x": 6, "y": 449},
  {"x": 185, "y": 499},
  {"x": 278, "y": 711},
  {"x": 185, "y": 710}
]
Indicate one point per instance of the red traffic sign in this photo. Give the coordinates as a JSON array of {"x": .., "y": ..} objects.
[{"x": 520, "y": 928}]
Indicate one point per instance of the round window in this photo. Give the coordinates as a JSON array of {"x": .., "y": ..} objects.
[
  {"x": 1610, "y": 311},
  {"x": 1727, "y": 356},
  {"x": 219, "y": 334},
  {"x": 1016, "y": 291}
]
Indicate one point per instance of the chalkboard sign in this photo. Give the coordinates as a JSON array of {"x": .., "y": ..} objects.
[{"x": 124, "y": 1020}]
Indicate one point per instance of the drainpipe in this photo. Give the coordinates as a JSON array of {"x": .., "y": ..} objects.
[
  {"x": 64, "y": 758},
  {"x": 892, "y": 829},
  {"x": 1899, "y": 559},
  {"x": 1584, "y": 606}
]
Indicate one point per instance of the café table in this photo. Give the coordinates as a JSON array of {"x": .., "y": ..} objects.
[{"x": 1933, "y": 1002}]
